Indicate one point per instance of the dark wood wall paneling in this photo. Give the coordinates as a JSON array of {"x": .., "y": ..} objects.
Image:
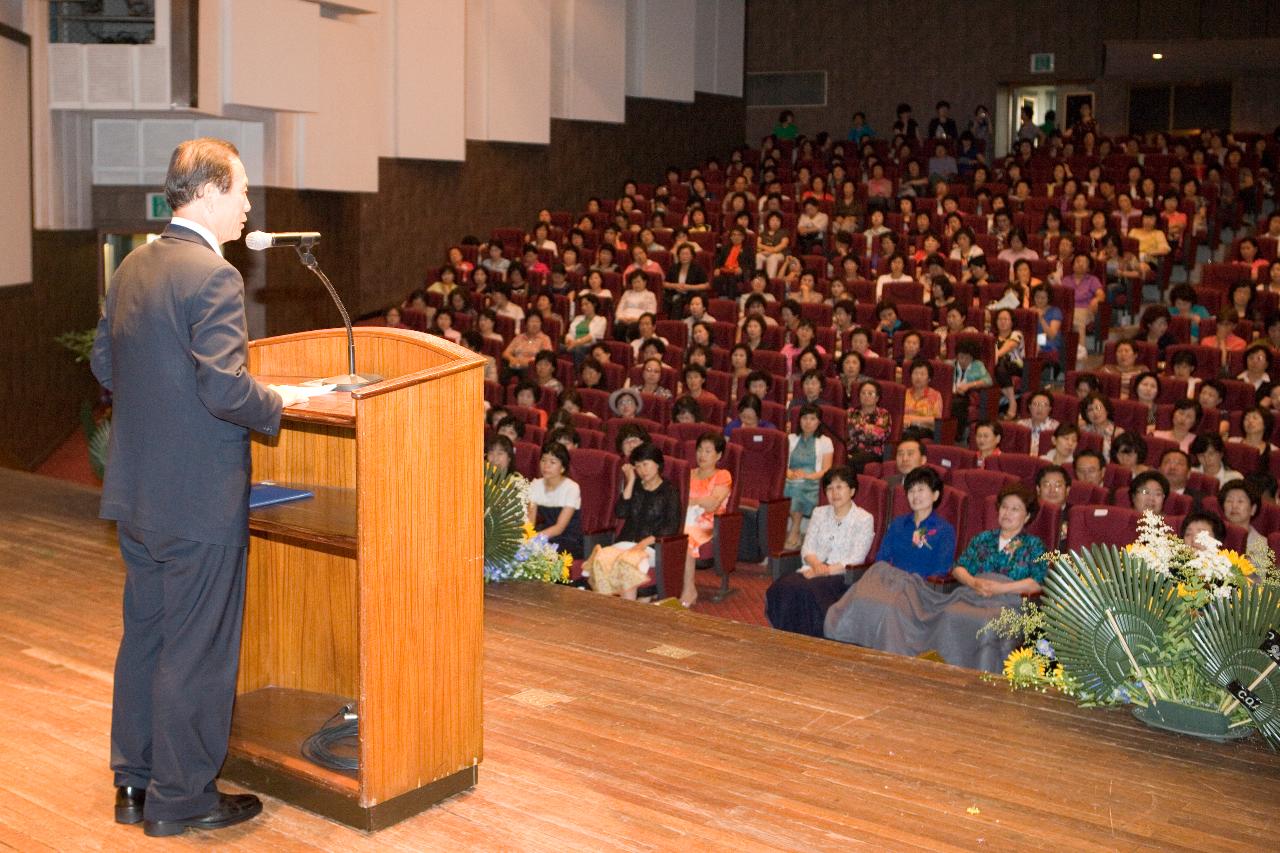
[
  {"x": 379, "y": 246},
  {"x": 880, "y": 52},
  {"x": 294, "y": 299},
  {"x": 376, "y": 247},
  {"x": 42, "y": 386}
]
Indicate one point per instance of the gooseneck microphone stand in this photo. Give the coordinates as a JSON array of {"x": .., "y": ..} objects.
[{"x": 350, "y": 380}]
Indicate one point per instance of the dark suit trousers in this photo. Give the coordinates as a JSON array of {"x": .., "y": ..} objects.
[{"x": 176, "y": 671}]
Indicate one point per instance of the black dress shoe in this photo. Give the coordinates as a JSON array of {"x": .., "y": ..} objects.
[
  {"x": 129, "y": 803},
  {"x": 230, "y": 810}
]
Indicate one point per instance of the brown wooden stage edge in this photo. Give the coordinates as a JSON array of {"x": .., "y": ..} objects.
[{"x": 618, "y": 726}]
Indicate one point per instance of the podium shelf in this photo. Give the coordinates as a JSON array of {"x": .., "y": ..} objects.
[
  {"x": 329, "y": 518},
  {"x": 270, "y": 725}
]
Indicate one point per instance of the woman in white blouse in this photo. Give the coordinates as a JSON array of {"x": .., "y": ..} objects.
[
  {"x": 839, "y": 537},
  {"x": 896, "y": 274}
]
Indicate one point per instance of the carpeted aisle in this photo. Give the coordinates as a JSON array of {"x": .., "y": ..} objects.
[
  {"x": 746, "y": 604},
  {"x": 70, "y": 461}
]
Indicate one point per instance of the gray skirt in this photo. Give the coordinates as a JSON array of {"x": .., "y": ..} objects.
[{"x": 896, "y": 611}]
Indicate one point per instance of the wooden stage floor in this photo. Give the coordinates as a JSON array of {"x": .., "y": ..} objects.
[{"x": 618, "y": 726}]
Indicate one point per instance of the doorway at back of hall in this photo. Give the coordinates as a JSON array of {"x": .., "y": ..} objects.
[{"x": 1063, "y": 100}]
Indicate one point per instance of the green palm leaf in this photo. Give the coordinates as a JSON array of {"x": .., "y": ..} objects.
[
  {"x": 504, "y": 517},
  {"x": 1081, "y": 590},
  {"x": 98, "y": 440},
  {"x": 1229, "y": 635}
]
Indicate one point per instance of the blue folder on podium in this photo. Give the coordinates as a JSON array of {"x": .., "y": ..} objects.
[{"x": 267, "y": 494}]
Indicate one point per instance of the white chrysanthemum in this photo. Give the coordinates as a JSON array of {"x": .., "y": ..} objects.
[
  {"x": 1157, "y": 543},
  {"x": 1206, "y": 543},
  {"x": 1212, "y": 568},
  {"x": 1158, "y": 562}
]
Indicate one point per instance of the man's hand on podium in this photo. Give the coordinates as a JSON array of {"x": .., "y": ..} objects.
[{"x": 290, "y": 396}]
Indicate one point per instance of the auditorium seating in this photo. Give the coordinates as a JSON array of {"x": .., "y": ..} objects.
[{"x": 760, "y": 457}]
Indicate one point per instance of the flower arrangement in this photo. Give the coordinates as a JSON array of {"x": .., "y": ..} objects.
[
  {"x": 1129, "y": 622},
  {"x": 536, "y": 560},
  {"x": 513, "y": 550}
]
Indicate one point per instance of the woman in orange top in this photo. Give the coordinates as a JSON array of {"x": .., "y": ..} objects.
[
  {"x": 709, "y": 489},
  {"x": 922, "y": 405}
]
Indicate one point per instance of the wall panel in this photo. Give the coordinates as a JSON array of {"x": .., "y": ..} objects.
[
  {"x": 425, "y": 45},
  {"x": 338, "y": 144},
  {"x": 508, "y": 70},
  {"x": 588, "y": 60},
  {"x": 41, "y": 386},
  {"x": 660, "y": 49},
  {"x": 271, "y": 54},
  {"x": 719, "y": 34}
]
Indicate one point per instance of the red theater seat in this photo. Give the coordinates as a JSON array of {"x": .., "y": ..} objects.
[{"x": 764, "y": 469}]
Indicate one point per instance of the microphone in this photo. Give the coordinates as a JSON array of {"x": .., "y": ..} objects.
[
  {"x": 259, "y": 240},
  {"x": 302, "y": 241}
]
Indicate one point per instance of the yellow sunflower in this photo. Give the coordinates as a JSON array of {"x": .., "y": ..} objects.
[
  {"x": 1023, "y": 664},
  {"x": 1240, "y": 561},
  {"x": 528, "y": 530}
]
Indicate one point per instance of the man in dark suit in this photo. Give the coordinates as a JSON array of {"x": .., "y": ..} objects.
[{"x": 172, "y": 349}]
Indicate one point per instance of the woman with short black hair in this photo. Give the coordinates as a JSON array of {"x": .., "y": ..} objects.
[
  {"x": 839, "y": 537},
  {"x": 555, "y": 501},
  {"x": 650, "y": 508}
]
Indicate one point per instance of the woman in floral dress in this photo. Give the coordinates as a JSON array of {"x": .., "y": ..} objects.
[{"x": 869, "y": 425}]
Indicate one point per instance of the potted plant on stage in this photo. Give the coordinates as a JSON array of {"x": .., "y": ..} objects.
[
  {"x": 1189, "y": 635},
  {"x": 95, "y": 415}
]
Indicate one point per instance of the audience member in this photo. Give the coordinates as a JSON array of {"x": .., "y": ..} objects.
[
  {"x": 650, "y": 509},
  {"x": 839, "y": 538},
  {"x": 809, "y": 457},
  {"x": 709, "y": 491},
  {"x": 555, "y": 501}
]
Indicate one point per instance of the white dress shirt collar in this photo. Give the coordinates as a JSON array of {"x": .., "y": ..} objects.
[{"x": 199, "y": 229}]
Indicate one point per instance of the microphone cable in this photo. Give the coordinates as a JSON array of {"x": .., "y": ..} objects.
[{"x": 319, "y": 747}]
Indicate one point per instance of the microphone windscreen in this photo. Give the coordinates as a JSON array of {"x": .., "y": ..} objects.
[{"x": 257, "y": 240}]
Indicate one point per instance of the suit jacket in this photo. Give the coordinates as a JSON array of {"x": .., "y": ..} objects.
[
  {"x": 172, "y": 349},
  {"x": 697, "y": 275}
]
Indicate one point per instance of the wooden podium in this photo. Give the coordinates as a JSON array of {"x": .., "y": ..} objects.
[{"x": 373, "y": 590}]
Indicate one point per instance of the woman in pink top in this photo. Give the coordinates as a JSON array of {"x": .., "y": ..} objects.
[
  {"x": 709, "y": 490},
  {"x": 527, "y": 344}
]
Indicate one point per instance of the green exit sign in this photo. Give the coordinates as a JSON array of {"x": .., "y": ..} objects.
[
  {"x": 1042, "y": 63},
  {"x": 158, "y": 208}
]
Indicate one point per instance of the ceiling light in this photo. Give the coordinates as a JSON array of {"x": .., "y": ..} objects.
[{"x": 1157, "y": 56}]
